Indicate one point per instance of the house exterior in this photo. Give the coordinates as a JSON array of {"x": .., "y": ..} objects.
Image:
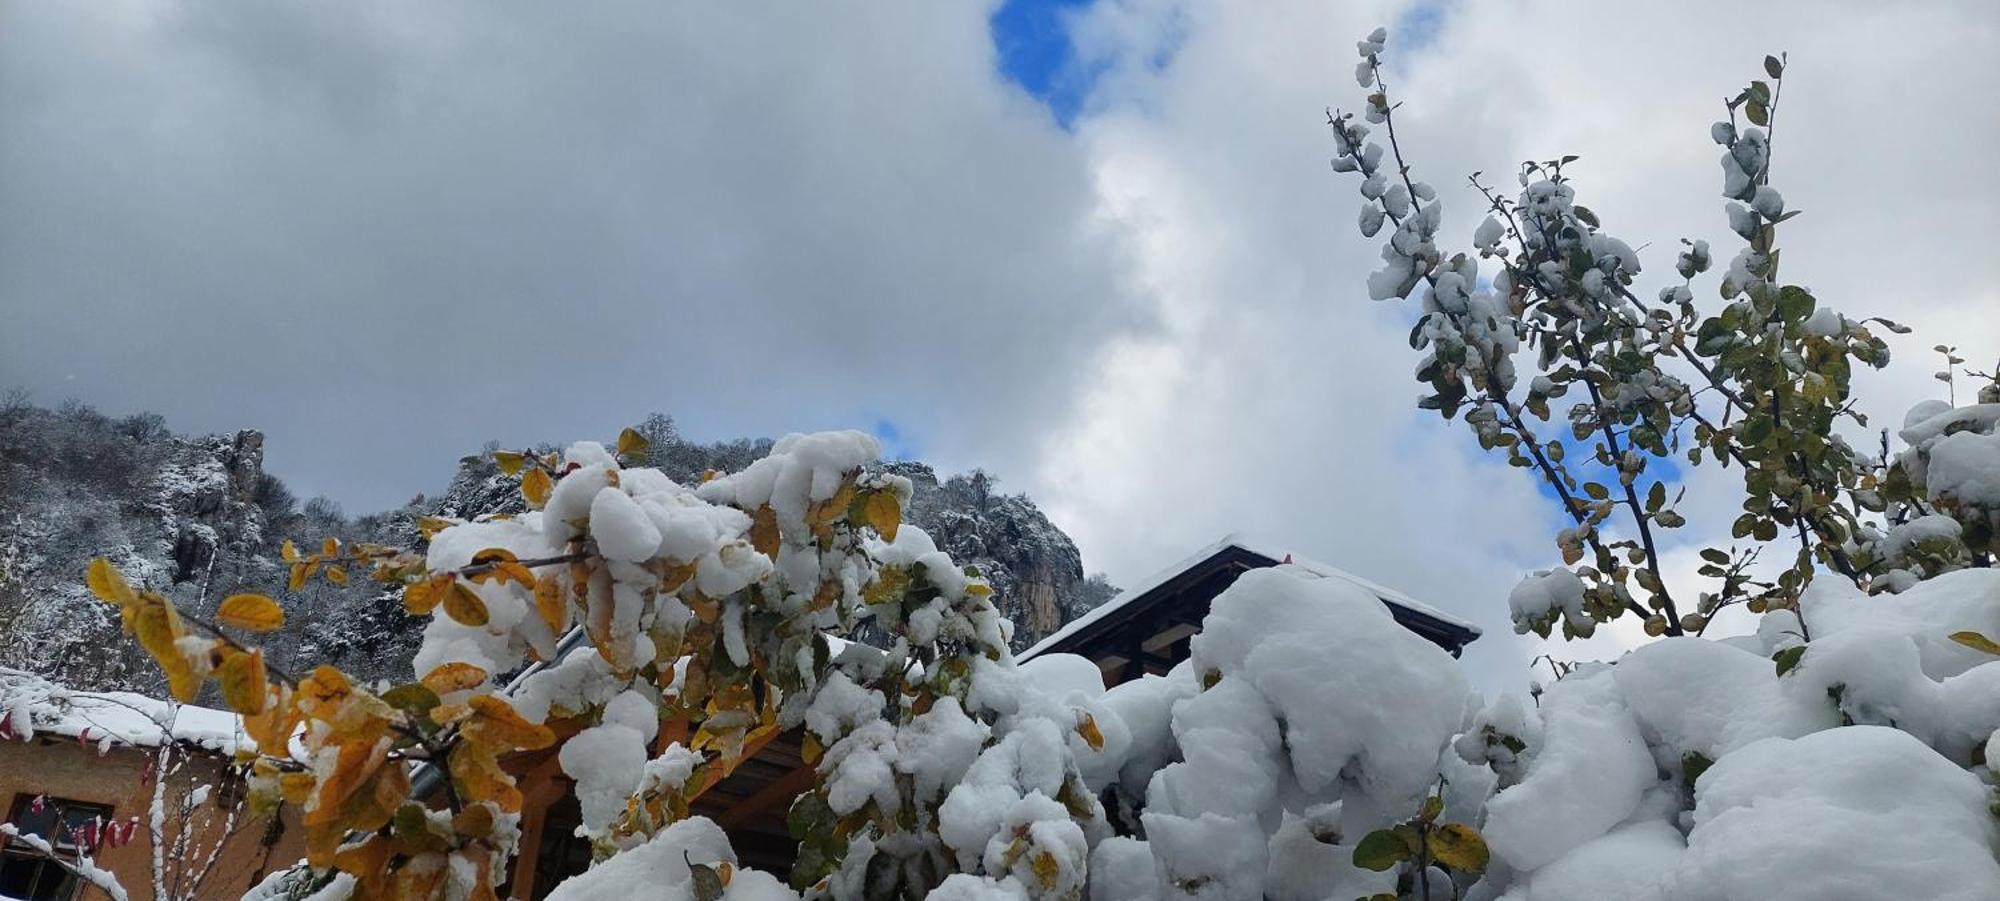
[{"x": 82, "y": 768}]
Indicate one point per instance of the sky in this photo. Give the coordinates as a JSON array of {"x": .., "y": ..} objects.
[{"x": 1092, "y": 246}]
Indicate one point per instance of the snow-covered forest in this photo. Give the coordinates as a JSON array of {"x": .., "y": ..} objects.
[{"x": 1801, "y": 699}]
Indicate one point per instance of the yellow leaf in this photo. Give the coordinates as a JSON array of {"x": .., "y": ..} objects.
[
  {"x": 453, "y": 676},
  {"x": 518, "y": 573},
  {"x": 297, "y": 786},
  {"x": 107, "y": 584},
  {"x": 463, "y": 604},
  {"x": 1046, "y": 868},
  {"x": 297, "y": 582},
  {"x": 549, "y": 603},
  {"x": 1086, "y": 726},
  {"x": 509, "y": 461},
  {"x": 881, "y": 509},
  {"x": 254, "y": 612},
  {"x": 429, "y": 526},
  {"x": 272, "y": 726},
  {"x": 330, "y": 547},
  {"x": 289, "y": 551},
  {"x": 1976, "y": 641},
  {"x": 632, "y": 444},
  {"x": 536, "y": 487},
  {"x": 322, "y": 694},
  {"x": 420, "y": 598},
  {"x": 244, "y": 685},
  {"x": 353, "y": 764},
  {"x": 337, "y": 575},
  {"x": 1459, "y": 847},
  {"x": 323, "y": 842},
  {"x": 764, "y": 531},
  {"x": 496, "y": 723},
  {"x": 478, "y": 777}
]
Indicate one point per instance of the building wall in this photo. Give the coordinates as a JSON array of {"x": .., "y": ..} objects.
[{"x": 64, "y": 768}]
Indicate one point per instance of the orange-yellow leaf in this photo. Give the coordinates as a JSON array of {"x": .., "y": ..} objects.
[
  {"x": 254, "y": 612},
  {"x": 297, "y": 787},
  {"x": 420, "y": 598},
  {"x": 271, "y": 727},
  {"x": 1086, "y": 726},
  {"x": 354, "y": 763},
  {"x": 463, "y": 604},
  {"x": 322, "y": 694},
  {"x": 536, "y": 487},
  {"x": 496, "y": 723},
  {"x": 764, "y": 531},
  {"x": 337, "y": 575},
  {"x": 549, "y": 603},
  {"x": 106, "y": 583},
  {"x": 330, "y": 547},
  {"x": 453, "y": 676},
  {"x": 245, "y": 687},
  {"x": 288, "y": 551},
  {"x": 881, "y": 510}
]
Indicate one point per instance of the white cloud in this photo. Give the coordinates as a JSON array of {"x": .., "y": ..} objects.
[{"x": 376, "y": 225}]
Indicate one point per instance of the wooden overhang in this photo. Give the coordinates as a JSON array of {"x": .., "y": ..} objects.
[{"x": 1150, "y": 632}]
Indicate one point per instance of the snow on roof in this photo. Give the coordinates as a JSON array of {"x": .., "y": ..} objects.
[
  {"x": 1236, "y": 540},
  {"x": 31, "y": 705}
]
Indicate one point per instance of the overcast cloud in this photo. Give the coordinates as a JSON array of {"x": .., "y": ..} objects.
[{"x": 384, "y": 232}]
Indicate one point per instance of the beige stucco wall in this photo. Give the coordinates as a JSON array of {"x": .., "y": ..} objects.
[{"x": 62, "y": 768}]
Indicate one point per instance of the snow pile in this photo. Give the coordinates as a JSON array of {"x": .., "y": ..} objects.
[
  {"x": 1288, "y": 755},
  {"x": 1850, "y": 766},
  {"x": 664, "y": 867},
  {"x": 1859, "y": 812}
]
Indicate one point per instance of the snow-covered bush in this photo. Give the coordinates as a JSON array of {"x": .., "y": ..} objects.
[{"x": 718, "y": 604}]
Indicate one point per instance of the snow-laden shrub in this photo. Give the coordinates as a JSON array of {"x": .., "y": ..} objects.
[{"x": 630, "y": 599}]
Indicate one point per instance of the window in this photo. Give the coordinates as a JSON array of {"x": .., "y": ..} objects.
[{"x": 24, "y": 872}]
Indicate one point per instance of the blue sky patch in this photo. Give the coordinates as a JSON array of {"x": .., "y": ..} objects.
[
  {"x": 1035, "y": 52},
  {"x": 895, "y": 444}
]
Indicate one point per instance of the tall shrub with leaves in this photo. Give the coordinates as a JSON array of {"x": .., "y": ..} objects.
[{"x": 1760, "y": 380}]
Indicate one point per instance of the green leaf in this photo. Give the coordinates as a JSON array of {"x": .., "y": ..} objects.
[
  {"x": 1656, "y": 497},
  {"x": 1788, "y": 658},
  {"x": 1756, "y": 430},
  {"x": 1380, "y": 850},
  {"x": 1719, "y": 558},
  {"x": 1794, "y": 303},
  {"x": 707, "y": 882},
  {"x": 1977, "y": 642},
  {"x": 1596, "y": 491},
  {"x": 1774, "y": 68},
  {"x": 1756, "y": 112},
  {"x": 1693, "y": 764},
  {"x": 412, "y": 697}
]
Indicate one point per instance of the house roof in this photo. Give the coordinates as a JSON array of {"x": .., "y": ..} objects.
[
  {"x": 31, "y": 704},
  {"x": 1411, "y": 612}
]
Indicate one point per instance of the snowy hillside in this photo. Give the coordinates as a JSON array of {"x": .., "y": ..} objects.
[{"x": 182, "y": 512}]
